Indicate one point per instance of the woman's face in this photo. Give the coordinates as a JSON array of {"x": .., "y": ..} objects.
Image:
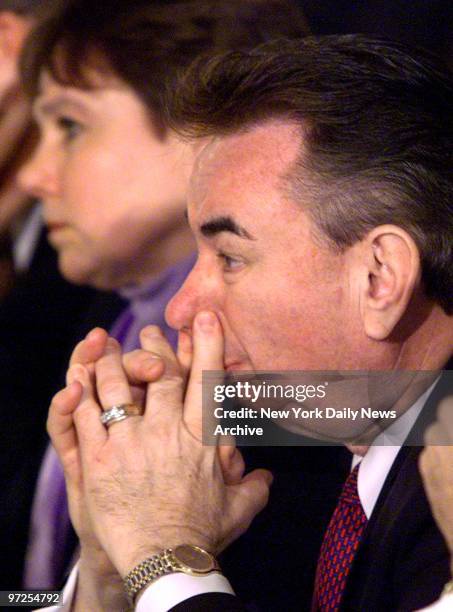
[{"x": 113, "y": 189}]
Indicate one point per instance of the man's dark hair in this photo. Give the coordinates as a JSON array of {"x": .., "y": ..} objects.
[
  {"x": 376, "y": 135},
  {"x": 145, "y": 42}
]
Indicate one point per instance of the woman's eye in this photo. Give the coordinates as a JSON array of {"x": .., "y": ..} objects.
[{"x": 69, "y": 127}]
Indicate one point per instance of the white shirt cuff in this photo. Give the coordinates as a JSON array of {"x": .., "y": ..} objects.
[
  {"x": 171, "y": 590},
  {"x": 160, "y": 596}
]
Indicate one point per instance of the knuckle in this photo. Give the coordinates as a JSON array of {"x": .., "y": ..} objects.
[
  {"x": 79, "y": 416},
  {"x": 57, "y": 400},
  {"x": 49, "y": 426},
  {"x": 135, "y": 356},
  {"x": 82, "y": 413},
  {"x": 113, "y": 385},
  {"x": 132, "y": 359},
  {"x": 170, "y": 382},
  {"x": 76, "y": 352},
  {"x": 173, "y": 370},
  {"x": 259, "y": 493},
  {"x": 162, "y": 430}
]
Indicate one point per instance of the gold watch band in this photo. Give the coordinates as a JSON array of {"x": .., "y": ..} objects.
[
  {"x": 185, "y": 558},
  {"x": 146, "y": 572}
]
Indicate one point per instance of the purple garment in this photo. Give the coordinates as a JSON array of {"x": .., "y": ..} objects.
[
  {"x": 49, "y": 525},
  {"x": 147, "y": 305},
  {"x": 45, "y": 560}
]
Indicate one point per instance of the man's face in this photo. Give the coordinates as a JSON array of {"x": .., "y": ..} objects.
[
  {"x": 285, "y": 301},
  {"x": 113, "y": 190}
]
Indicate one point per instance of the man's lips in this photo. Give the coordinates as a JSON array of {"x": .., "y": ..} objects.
[
  {"x": 231, "y": 366},
  {"x": 228, "y": 367}
]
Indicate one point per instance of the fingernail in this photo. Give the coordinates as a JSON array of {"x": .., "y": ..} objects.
[
  {"x": 205, "y": 321},
  {"x": 91, "y": 334},
  {"x": 152, "y": 359},
  {"x": 112, "y": 344},
  {"x": 152, "y": 331}
]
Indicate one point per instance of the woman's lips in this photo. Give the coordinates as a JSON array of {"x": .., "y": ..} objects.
[{"x": 54, "y": 226}]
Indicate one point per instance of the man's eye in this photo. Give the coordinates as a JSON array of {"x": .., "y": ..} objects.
[
  {"x": 69, "y": 127},
  {"x": 229, "y": 263}
]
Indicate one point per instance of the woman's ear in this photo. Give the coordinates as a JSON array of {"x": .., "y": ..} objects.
[{"x": 393, "y": 272}]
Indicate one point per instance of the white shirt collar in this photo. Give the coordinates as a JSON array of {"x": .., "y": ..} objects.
[
  {"x": 26, "y": 241},
  {"x": 376, "y": 464}
]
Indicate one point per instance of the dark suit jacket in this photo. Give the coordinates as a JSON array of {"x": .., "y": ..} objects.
[
  {"x": 402, "y": 562},
  {"x": 272, "y": 566}
]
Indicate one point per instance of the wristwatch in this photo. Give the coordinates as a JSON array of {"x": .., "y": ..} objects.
[{"x": 185, "y": 558}]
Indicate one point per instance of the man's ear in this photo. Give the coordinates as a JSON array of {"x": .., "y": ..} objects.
[
  {"x": 13, "y": 30},
  {"x": 393, "y": 272}
]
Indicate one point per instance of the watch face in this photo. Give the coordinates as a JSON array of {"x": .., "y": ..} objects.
[{"x": 194, "y": 559}]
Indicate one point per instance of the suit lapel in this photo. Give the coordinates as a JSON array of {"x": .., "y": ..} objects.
[{"x": 401, "y": 501}]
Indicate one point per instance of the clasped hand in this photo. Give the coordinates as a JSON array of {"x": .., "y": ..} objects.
[{"x": 148, "y": 483}]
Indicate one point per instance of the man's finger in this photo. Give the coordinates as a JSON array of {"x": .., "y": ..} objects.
[
  {"x": 184, "y": 351},
  {"x": 249, "y": 497},
  {"x": 253, "y": 492},
  {"x": 91, "y": 433},
  {"x": 91, "y": 348},
  {"x": 142, "y": 367},
  {"x": 111, "y": 382},
  {"x": 60, "y": 423},
  {"x": 153, "y": 340},
  {"x": 165, "y": 396},
  {"x": 232, "y": 464},
  {"x": 208, "y": 347}
]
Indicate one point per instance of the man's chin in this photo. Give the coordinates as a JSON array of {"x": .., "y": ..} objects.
[{"x": 337, "y": 435}]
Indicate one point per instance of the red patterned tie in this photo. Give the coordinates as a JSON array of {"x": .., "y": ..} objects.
[{"x": 339, "y": 546}]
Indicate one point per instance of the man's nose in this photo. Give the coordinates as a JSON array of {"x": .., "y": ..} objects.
[
  {"x": 200, "y": 291},
  {"x": 181, "y": 309},
  {"x": 38, "y": 176}
]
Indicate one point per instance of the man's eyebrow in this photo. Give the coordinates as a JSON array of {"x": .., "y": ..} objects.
[{"x": 224, "y": 224}]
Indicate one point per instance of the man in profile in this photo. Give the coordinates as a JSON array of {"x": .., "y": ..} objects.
[{"x": 321, "y": 202}]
